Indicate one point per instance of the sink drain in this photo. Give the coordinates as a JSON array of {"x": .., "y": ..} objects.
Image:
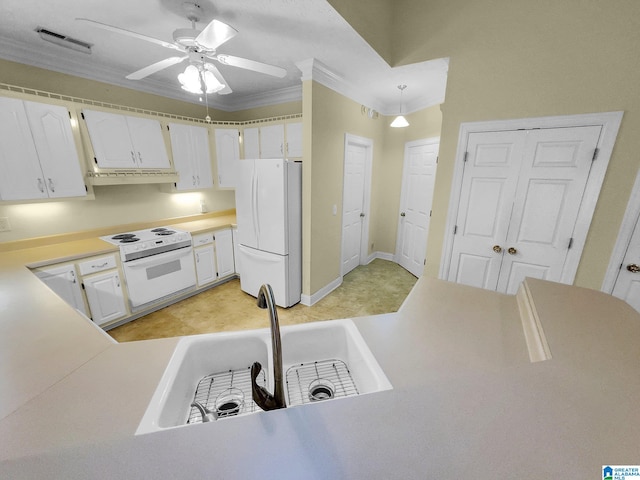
[
  {"x": 321, "y": 389},
  {"x": 317, "y": 381},
  {"x": 229, "y": 402}
]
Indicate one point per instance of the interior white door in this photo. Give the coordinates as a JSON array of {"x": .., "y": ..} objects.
[
  {"x": 418, "y": 179},
  {"x": 488, "y": 189},
  {"x": 520, "y": 200},
  {"x": 627, "y": 284},
  {"x": 353, "y": 204},
  {"x": 554, "y": 173}
]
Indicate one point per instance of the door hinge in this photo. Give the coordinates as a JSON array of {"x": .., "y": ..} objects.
[
  {"x": 437, "y": 160},
  {"x": 95, "y": 159},
  {"x": 620, "y": 267},
  {"x": 466, "y": 156},
  {"x": 430, "y": 212},
  {"x": 82, "y": 285},
  {"x": 168, "y": 128},
  {"x": 570, "y": 243},
  {"x": 455, "y": 229},
  {"x": 69, "y": 113},
  {"x": 595, "y": 154},
  {"x": 425, "y": 262},
  {"x": 82, "y": 115}
]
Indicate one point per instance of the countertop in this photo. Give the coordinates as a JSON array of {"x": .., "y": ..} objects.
[{"x": 466, "y": 400}]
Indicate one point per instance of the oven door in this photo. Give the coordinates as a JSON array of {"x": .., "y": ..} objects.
[{"x": 152, "y": 278}]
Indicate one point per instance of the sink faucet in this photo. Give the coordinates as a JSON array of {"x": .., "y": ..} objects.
[{"x": 264, "y": 399}]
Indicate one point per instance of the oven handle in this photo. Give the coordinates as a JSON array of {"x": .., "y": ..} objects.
[{"x": 159, "y": 259}]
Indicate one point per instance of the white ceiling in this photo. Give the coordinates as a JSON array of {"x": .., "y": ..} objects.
[{"x": 277, "y": 32}]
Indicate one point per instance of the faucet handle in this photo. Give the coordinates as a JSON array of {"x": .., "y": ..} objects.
[
  {"x": 260, "y": 395},
  {"x": 207, "y": 415}
]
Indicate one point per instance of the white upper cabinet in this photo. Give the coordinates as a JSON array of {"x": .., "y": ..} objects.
[
  {"x": 38, "y": 155},
  {"x": 251, "y": 142},
  {"x": 191, "y": 156},
  {"x": 227, "y": 155},
  {"x": 293, "y": 140},
  {"x": 272, "y": 141},
  {"x": 121, "y": 141}
]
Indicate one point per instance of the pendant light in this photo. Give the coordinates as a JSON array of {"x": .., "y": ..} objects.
[{"x": 400, "y": 121}]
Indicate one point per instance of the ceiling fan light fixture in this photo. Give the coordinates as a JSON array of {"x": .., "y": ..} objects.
[
  {"x": 193, "y": 79},
  {"x": 400, "y": 121}
]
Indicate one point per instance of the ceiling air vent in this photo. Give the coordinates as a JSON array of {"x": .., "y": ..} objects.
[{"x": 64, "y": 41}]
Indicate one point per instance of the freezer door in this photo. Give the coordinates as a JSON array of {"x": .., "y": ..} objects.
[
  {"x": 258, "y": 268},
  {"x": 245, "y": 204},
  {"x": 271, "y": 205}
]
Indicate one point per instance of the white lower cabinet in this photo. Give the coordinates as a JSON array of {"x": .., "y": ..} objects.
[
  {"x": 103, "y": 287},
  {"x": 213, "y": 254},
  {"x": 105, "y": 297},
  {"x": 63, "y": 280}
]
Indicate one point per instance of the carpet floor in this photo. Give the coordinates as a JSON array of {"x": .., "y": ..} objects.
[{"x": 379, "y": 287}]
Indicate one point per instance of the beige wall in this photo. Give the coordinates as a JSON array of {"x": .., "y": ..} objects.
[
  {"x": 332, "y": 116},
  {"x": 517, "y": 59}
]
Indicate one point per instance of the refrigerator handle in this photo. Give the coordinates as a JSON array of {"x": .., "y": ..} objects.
[{"x": 254, "y": 205}]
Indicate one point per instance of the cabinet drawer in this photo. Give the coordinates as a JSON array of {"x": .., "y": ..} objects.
[
  {"x": 203, "y": 239},
  {"x": 97, "y": 265}
]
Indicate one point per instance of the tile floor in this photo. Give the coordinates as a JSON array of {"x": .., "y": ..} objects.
[{"x": 379, "y": 287}]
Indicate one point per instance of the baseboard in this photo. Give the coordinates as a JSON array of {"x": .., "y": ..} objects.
[{"x": 310, "y": 300}]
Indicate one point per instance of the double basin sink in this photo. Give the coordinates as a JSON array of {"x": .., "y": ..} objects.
[{"x": 321, "y": 361}]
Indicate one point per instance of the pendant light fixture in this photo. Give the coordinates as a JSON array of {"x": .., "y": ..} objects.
[{"x": 400, "y": 121}]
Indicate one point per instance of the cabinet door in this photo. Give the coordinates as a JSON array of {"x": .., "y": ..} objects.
[
  {"x": 224, "y": 253},
  {"x": 205, "y": 266},
  {"x": 105, "y": 297},
  {"x": 227, "y": 156},
  {"x": 272, "y": 141},
  {"x": 63, "y": 280},
  {"x": 251, "y": 142},
  {"x": 183, "y": 156},
  {"x": 53, "y": 137},
  {"x": 148, "y": 143},
  {"x": 294, "y": 140},
  {"x": 109, "y": 134},
  {"x": 202, "y": 155},
  {"x": 21, "y": 176}
]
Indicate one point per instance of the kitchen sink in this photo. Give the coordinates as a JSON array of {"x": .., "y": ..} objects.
[
  {"x": 226, "y": 357},
  {"x": 322, "y": 360}
]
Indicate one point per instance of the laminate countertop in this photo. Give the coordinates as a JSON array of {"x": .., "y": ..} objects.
[{"x": 467, "y": 401}]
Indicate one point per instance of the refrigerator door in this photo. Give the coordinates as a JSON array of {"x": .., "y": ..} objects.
[
  {"x": 246, "y": 204},
  {"x": 271, "y": 197},
  {"x": 260, "y": 267}
]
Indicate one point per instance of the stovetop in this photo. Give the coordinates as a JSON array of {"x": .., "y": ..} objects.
[{"x": 143, "y": 243}]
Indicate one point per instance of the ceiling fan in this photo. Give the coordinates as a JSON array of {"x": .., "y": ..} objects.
[{"x": 197, "y": 46}]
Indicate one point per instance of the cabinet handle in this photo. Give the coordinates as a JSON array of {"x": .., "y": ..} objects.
[
  {"x": 281, "y": 151},
  {"x": 193, "y": 179},
  {"x": 100, "y": 266},
  {"x": 133, "y": 157},
  {"x": 51, "y": 186},
  {"x": 198, "y": 178},
  {"x": 140, "y": 157},
  {"x": 287, "y": 148},
  {"x": 117, "y": 281},
  {"x": 40, "y": 185},
  {"x": 73, "y": 276},
  {"x": 197, "y": 258}
]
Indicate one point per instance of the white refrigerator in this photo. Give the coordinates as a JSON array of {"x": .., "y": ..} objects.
[{"x": 269, "y": 217}]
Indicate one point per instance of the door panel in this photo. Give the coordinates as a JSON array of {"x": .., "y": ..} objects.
[
  {"x": 353, "y": 205},
  {"x": 271, "y": 198},
  {"x": 416, "y": 202},
  {"x": 552, "y": 180},
  {"x": 148, "y": 143},
  {"x": 627, "y": 286},
  {"x": 488, "y": 188}
]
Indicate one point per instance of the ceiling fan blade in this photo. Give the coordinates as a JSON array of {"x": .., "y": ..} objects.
[
  {"x": 251, "y": 65},
  {"x": 155, "y": 67},
  {"x": 215, "y": 34},
  {"x": 129, "y": 33},
  {"x": 216, "y": 73}
]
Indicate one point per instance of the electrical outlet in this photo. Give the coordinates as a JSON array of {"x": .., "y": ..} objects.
[{"x": 5, "y": 226}]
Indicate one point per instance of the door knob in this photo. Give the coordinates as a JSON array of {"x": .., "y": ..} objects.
[
  {"x": 633, "y": 268},
  {"x": 512, "y": 251},
  {"x": 362, "y": 214},
  {"x": 403, "y": 214},
  {"x": 497, "y": 248}
]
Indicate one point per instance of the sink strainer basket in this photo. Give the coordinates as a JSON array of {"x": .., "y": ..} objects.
[{"x": 317, "y": 381}]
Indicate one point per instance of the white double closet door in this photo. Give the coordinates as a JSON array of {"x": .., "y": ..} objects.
[{"x": 520, "y": 198}]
